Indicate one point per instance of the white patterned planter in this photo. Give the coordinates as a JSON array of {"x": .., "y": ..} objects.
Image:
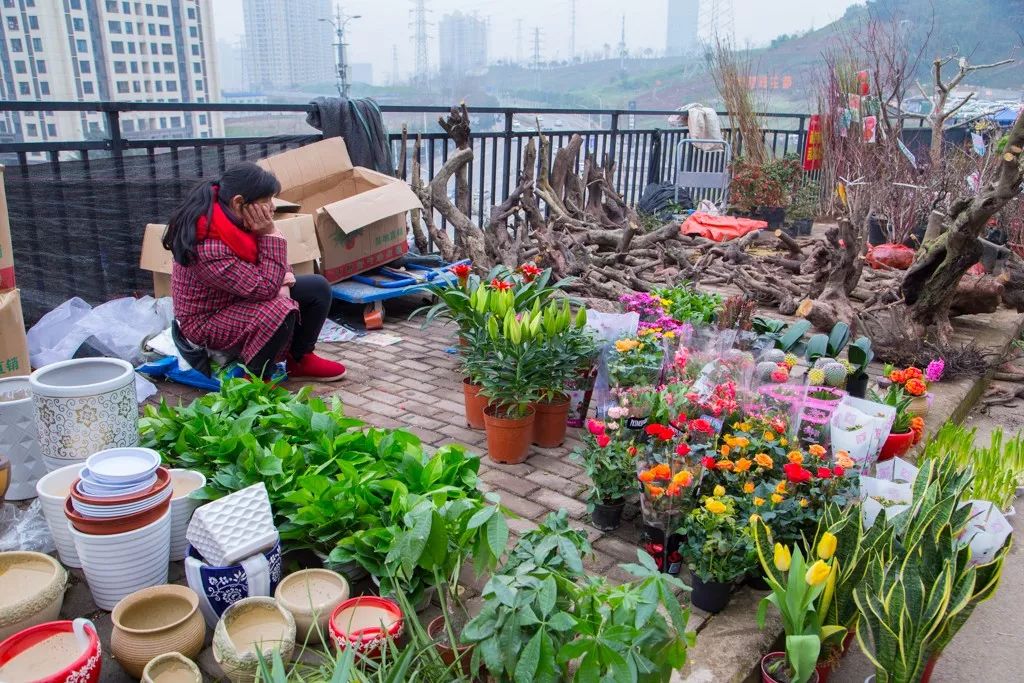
[
  {"x": 19, "y": 438},
  {"x": 83, "y": 406}
]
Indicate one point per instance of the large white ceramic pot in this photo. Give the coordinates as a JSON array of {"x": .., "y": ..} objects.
[
  {"x": 184, "y": 482},
  {"x": 19, "y": 439},
  {"x": 83, "y": 406},
  {"x": 53, "y": 490},
  {"x": 117, "y": 565}
]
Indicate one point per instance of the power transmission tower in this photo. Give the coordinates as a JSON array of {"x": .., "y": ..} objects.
[
  {"x": 716, "y": 21},
  {"x": 519, "y": 41},
  {"x": 394, "y": 65},
  {"x": 572, "y": 32},
  {"x": 536, "y": 48},
  {"x": 419, "y": 24},
  {"x": 622, "y": 45}
]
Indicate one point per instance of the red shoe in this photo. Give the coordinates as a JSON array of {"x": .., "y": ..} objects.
[{"x": 312, "y": 366}]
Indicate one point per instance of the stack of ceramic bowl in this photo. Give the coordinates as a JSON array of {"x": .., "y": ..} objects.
[{"x": 119, "y": 519}]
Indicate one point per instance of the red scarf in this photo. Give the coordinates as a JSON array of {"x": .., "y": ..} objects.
[{"x": 222, "y": 228}]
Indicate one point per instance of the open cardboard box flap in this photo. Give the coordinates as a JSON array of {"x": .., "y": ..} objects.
[
  {"x": 309, "y": 172},
  {"x": 370, "y": 206}
]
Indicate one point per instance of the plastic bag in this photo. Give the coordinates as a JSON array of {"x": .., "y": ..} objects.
[
  {"x": 25, "y": 529},
  {"x": 56, "y": 337}
]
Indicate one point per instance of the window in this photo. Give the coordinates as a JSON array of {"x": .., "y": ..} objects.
[
  {"x": 197, "y": 68},
  {"x": 191, "y": 12},
  {"x": 114, "y": 26},
  {"x": 126, "y": 7},
  {"x": 44, "y": 88},
  {"x": 31, "y": 130},
  {"x": 145, "y": 67},
  {"x": 33, "y": 22},
  {"x": 19, "y": 67},
  {"x": 131, "y": 48},
  {"x": 163, "y": 121},
  {"x": 168, "y": 67},
  {"x": 134, "y": 67},
  {"x": 51, "y": 130},
  {"x": 122, "y": 86},
  {"x": 30, "y": 3},
  {"x": 40, "y": 66},
  {"x": 128, "y": 126},
  {"x": 15, "y": 45},
  {"x": 112, "y": 6},
  {"x": 85, "y": 67},
  {"x": 117, "y": 47},
  {"x": 161, "y": 11},
  {"x": 193, "y": 32},
  {"x": 152, "y": 29},
  {"x": 167, "y": 49},
  {"x": 8, "y": 3},
  {"x": 165, "y": 30},
  {"x": 199, "y": 85},
  {"x": 24, "y": 89},
  {"x": 128, "y": 28},
  {"x": 37, "y": 44},
  {"x": 76, "y": 4},
  {"x": 175, "y": 122},
  {"x": 202, "y": 119},
  {"x": 172, "y": 86},
  {"x": 78, "y": 24},
  {"x": 156, "y": 67},
  {"x": 195, "y": 50},
  {"x": 149, "y": 10},
  {"x": 142, "y": 124},
  {"x": 87, "y": 88},
  {"x": 12, "y": 23},
  {"x": 120, "y": 68},
  {"x": 152, "y": 48},
  {"x": 136, "y": 86},
  {"x": 81, "y": 45},
  {"x": 159, "y": 86}
]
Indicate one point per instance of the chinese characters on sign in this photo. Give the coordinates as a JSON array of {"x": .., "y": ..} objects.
[
  {"x": 773, "y": 82},
  {"x": 813, "y": 148}
]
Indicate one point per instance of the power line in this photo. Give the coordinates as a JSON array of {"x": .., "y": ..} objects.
[{"x": 716, "y": 20}]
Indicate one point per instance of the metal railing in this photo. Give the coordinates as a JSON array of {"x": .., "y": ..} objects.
[{"x": 78, "y": 208}]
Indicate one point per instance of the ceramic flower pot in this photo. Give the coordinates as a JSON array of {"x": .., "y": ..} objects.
[
  {"x": 896, "y": 445},
  {"x": 31, "y": 590},
  {"x": 113, "y": 525},
  {"x": 710, "y": 596},
  {"x": 365, "y": 623},
  {"x": 508, "y": 440},
  {"x": 184, "y": 482},
  {"x": 54, "y": 652},
  {"x": 82, "y": 406},
  {"x": 474, "y": 404},
  {"x": 919, "y": 405},
  {"x": 449, "y": 655},
  {"x": 608, "y": 516},
  {"x": 311, "y": 596},
  {"x": 53, "y": 491},
  {"x": 172, "y": 667},
  {"x": 248, "y": 627},
  {"x": 234, "y": 527},
  {"x": 219, "y": 587},
  {"x": 118, "y": 565},
  {"x": 19, "y": 438},
  {"x": 770, "y": 660},
  {"x": 550, "y": 423},
  {"x": 153, "y": 621}
]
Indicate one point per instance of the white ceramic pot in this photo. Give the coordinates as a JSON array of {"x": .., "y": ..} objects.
[
  {"x": 234, "y": 527},
  {"x": 117, "y": 565},
  {"x": 311, "y": 596},
  {"x": 183, "y": 482},
  {"x": 19, "y": 438},
  {"x": 31, "y": 590},
  {"x": 53, "y": 489},
  {"x": 83, "y": 406}
]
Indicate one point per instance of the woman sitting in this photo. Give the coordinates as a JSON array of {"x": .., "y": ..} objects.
[{"x": 232, "y": 286}]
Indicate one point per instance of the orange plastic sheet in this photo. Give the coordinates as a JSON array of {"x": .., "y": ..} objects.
[{"x": 719, "y": 228}]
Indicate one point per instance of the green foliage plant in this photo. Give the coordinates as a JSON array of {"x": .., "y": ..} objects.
[{"x": 998, "y": 467}]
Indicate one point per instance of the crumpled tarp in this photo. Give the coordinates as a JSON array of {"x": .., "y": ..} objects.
[{"x": 719, "y": 228}]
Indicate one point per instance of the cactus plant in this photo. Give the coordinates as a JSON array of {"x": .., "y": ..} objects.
[
  {"x": 774, "y": 355},
  {"x": 835, "y": 374}
]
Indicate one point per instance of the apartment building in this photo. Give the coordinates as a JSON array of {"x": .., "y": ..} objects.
[
  {"x": 288, "y": 43},
  {"x": 463, "y": 41},
  {"x": 107, "y": 50}
]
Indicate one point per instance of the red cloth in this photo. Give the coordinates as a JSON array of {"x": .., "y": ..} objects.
[
  {"x": 719, "y": 228},
  {"x": 225, "y": 303},
  {"x": 222, "y": 228}
]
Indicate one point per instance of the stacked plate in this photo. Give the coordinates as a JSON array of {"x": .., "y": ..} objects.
[{"x": 119, "y": 490}]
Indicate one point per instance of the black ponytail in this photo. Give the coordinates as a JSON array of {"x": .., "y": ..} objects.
[{"x": 246, "y": 179}]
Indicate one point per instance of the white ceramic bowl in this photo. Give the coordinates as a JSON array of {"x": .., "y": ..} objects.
[
  {"x": 122, "y": 466},
  {"x": 53, "y": 489},
  {"x": 183, "y": 482}
]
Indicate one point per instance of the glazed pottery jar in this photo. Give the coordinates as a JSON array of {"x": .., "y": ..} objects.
[
  {"x": 117, "y": 565},
  {"x": 31, "y": 590},
  {"x": 233, "y": 527},
  {"x": 184, "y": 483},
  {"x": 219, "y": 587},
  {"x": 311, "y": 596},
  {"x": 82, "y": 406},
  {"x": 364, "y": 623},
  {"x": 153, "y": 621},
  {"x": 53, "y": 491},
  {"x": 172, "y": 667},
  {"x": 54, "y": 652},
  {"x": 19, "y": 439},
  {"x": 249, "y": 627}
]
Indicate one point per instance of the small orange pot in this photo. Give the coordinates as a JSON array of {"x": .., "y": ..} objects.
[
  {"x": 508, "y": 439},
  {"x": 475, "y": 404},
  {"x": 550, "y": 423}
]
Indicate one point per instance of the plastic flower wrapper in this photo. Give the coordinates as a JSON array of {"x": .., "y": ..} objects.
[
  {"x": 863, "y": 444},
  {"x": 986, "y": 531},
  {"x": 667, "y": 476},
  {"x": 891, "y": 490},
  {"x": 634, "y": 362}
]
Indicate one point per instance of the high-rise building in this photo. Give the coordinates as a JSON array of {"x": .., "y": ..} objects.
[
  {"x": 682, "y": 27},
  {"x": 463, "y": 41},
  {"x": 231, "y": 65},
  {"x": 288, "y": 43},
  {"x": 95, "y": 50}
]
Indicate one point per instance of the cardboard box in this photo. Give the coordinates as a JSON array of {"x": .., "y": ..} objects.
[
  {"x": 13, "y": 343},
  {"x": 297, "y": 229},
  {"x": 360, "y": 214},
  {"x": 6, "y": 251}
]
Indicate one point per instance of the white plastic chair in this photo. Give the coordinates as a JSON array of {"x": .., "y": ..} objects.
[{"x": 704, "y": 170}]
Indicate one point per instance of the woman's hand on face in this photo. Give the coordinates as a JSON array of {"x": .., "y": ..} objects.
[{"x": 258, "y": 219}]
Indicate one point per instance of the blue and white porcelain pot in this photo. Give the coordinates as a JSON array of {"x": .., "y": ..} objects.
[{"x": 220, "y": 587}]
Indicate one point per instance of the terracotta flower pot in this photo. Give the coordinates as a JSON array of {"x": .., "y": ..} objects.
[
  {"x": 896, "y": 445},
  {"x": 508, "y": 439},
  {"x": 475, "y": 404},
  {"x": 54, "y": 652},
  {"x": 770, "y": 658},
  {"x": 918, "y": 406},
  {"x": 33, "y": 588},
  {"x": 463, "y": 653},
  {"x": 153, "y": 621},
  {"x": 550, "y": 424}
]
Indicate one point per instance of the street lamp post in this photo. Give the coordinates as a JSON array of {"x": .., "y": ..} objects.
[{"x": 339, "y": 22}]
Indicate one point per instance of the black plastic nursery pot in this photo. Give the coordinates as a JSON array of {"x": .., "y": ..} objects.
[
  {"x": 857, "y": 385},
  {"x": 877, "y": 230},
  {"x": 712, "y": 597},
  {"x": 801, "y": 227},
  {"x": 608, "y": 516},
  {"x": 775, "y": 215}
]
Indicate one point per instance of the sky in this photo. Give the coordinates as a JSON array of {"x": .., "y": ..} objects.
[{"x": 385, "y": 24}]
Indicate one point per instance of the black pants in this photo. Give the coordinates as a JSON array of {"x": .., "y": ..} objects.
[{"x": 313, "y": 294}]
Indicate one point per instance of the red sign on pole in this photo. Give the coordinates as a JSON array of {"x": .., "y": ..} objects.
[{"x": 813, "y": 147}]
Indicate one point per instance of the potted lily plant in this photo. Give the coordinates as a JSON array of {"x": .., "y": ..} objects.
[
  {"x": 901, "y": 435},
  {"x": 569, "y": 351},
  {"x": 608, "y": 462}
]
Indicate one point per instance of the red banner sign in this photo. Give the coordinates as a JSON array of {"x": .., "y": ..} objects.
[{"x": 813, "y": 148}]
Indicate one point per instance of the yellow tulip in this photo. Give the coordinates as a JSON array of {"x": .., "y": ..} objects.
[
  {"x": 782, "y": 557},
  {"x": 720, "y": 491},
  {"x": 755, "y": 518},
  {"x": 817, "y": 573},
  {"x": 827, "y": 546},
  {"x": 714, "y": 506}
]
